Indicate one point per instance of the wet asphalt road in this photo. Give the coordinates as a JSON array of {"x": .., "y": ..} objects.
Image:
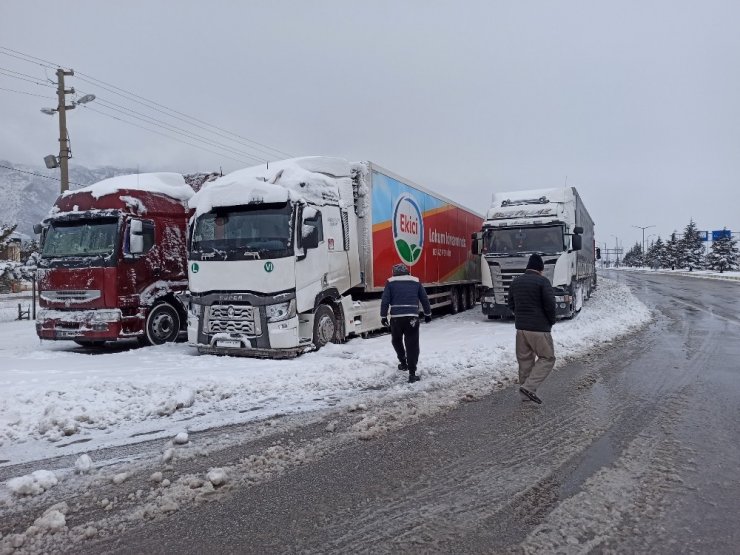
[{"x": 636, "y": 450}]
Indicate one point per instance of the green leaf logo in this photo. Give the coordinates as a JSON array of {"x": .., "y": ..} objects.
[{"x": 194, "y": 267}]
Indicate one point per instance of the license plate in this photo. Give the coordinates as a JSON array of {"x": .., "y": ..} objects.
[
  {"x": 68, "y": 334},
  {"x": 230, "y": 343}
]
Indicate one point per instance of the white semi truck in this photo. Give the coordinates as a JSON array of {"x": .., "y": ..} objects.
[
  {"x": 553, "y": 223},
  {"x": 288, "y": 257}
]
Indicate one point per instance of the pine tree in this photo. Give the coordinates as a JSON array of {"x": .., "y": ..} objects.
[
  {"x": 724, "y": 254},
  {"x": 5, "y": 232},
  {"x": 654, "y": 254},
  {"x": 28, "y": 249},
  {"x": 634, "y": 256},
  {"x": 691, "y": 247},
  {"x": 671, "y": 257}
]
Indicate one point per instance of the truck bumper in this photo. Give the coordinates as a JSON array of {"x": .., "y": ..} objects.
[
  {"x": 88, "y": 325},
  {"x": 279, "y": 340}
]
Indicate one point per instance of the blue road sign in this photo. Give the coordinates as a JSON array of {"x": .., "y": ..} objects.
[
  {"x": 721, "y": 234},
  {"x": 703, "y": 235}
]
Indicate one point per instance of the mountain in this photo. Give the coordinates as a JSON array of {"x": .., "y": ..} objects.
[{"x": 26, "y": 196}]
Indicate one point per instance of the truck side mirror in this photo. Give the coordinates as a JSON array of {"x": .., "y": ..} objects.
[
  {"x": 475, "y": 244},
  {"x": 576, "y": 242},
  {"x": 578, "y": 230},
  {"x": 136, "y": 237},
  {"x": 37, "y": 229}
]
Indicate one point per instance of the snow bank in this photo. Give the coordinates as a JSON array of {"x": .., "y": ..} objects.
[{"x": 54, "y": 395}]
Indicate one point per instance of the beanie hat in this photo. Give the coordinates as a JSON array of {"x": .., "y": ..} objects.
[
  {"x": 400, "y": 270},
  {"x": 535, "y": 263}
]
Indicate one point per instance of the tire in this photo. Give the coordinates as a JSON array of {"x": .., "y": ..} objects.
[
  {"x": 162, "y": 325},
  {"x": 324, "y": 326},
  {"x": 454, "y": 300},
  {"x": 469, "y": 298},
  {"x": 89, "y": 343}
]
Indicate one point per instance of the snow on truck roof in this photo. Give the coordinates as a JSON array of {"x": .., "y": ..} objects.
[
  {"x": 529, "y": 203},
  {"x": 314, "y": 178},
  {"x": 170, "y": 184}
]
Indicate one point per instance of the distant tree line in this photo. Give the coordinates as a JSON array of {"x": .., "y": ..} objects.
[{"x": 686, "y": 252}]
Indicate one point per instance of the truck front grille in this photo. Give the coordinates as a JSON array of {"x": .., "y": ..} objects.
[
  {"x": 73, "y": 295},
  {"x": 232, "y": 319}
]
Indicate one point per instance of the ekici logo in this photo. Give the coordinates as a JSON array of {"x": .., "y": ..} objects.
[{"x": 408, "y": 229}]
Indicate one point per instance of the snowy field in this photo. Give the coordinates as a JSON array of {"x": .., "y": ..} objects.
[{"x": 58, "y": 399}]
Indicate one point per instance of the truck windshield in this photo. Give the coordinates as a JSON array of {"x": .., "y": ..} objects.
[
  {"x": 245, "y": 232},
  {"x": 522, "y": 240},
  {"x": 80, "y": 238}
]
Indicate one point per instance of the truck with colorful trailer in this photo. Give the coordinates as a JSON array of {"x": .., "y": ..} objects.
[
  {"x": 113, "y": 261},
  {"x": 286, "y": 257}
]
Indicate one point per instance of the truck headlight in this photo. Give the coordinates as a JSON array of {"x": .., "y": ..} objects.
[
  {"x": 106, "y": 316},
  {"x": 280, "y": 311}
]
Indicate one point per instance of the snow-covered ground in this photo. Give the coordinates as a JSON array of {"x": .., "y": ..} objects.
[{"x": 58, "y": 399}]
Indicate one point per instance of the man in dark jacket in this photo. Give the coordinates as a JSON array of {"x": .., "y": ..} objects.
[
  {"x": 402, "y": 295},
  {"x": 533, "y": 302}
]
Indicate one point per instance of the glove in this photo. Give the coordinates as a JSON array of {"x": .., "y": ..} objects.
[
  {"x": 384, "y": 322},
  {"x": 427, "y": 318}
]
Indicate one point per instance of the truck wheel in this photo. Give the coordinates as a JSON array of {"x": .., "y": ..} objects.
[
  {"x": 469, "y": 298},
  {"x": 324, "y": 326},
  {"x": 162, "y": 324},
  {"x": 454, "y": 300}
]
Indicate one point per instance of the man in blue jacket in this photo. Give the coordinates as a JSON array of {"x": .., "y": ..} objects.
[
  {"x": 402, "y": 294},
  {"x": 532, "y": 301}
]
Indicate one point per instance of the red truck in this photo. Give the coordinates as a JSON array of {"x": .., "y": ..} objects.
[{"x": 114, "y": 262}]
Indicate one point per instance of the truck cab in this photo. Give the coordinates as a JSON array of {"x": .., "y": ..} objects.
[
  {"x": 113, "y": 262},
  {"x": 552, "y": 223}
]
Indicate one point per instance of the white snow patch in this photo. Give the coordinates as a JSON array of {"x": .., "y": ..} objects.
[
  {"x": 170, "y": 184},
  {"x": 181, "y": 439},
  {"x": 33, "y": 484},
  {"x": 217, "y": 476},
  {"x": 83, "y": 464}
]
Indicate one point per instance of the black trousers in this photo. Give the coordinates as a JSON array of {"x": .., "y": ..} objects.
[{"x": 405, "y": 332}]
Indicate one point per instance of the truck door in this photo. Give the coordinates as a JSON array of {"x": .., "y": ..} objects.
[{"x": 312, "y": 262}]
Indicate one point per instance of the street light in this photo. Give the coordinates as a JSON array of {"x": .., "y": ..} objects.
[{"x": 643, "y": 228}]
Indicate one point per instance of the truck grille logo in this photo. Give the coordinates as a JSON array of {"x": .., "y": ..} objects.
[
  {"x": 269, "y": 266},
  {"x": 408, "y": 229}
]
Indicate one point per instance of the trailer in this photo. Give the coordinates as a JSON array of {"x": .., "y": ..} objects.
[
  {"x": 553, "y": 223},
  {"x": 113, "y": 263},
  {"x": 288, "y": 257}
]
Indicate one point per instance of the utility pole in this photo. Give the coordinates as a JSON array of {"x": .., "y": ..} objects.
[
  {"x": 65, "y": 152},
  {"x": 643, "y": 228}
]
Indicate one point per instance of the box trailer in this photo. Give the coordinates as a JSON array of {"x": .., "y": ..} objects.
[{"x": 288, "y": 257}]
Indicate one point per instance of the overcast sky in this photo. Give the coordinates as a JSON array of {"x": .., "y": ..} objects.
[{"x": 635, "y": 103}]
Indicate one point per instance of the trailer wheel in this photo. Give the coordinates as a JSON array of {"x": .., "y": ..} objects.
[
  {"x": 469, "y": 298},
  {"x": 162, "y": 324},
  {"x": 454, "y": 300},
  {"x": 324, "y": 326}
]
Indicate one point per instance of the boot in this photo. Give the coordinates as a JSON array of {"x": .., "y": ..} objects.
[
  {"x": 402, "y": 366},
  {"x": 413, "y": 377}
]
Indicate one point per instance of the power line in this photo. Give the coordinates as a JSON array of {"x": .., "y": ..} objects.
[
  {"x": 172, "y": 128},
  {"x": 163, "y": 134},
  {"x": 15, "y": 54},
  {"x": 36, "y": 174},
  {"x": 32, "y": 80},
  {"x": 150, "y": 104},
  {"x": 28, "y": 93}
]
